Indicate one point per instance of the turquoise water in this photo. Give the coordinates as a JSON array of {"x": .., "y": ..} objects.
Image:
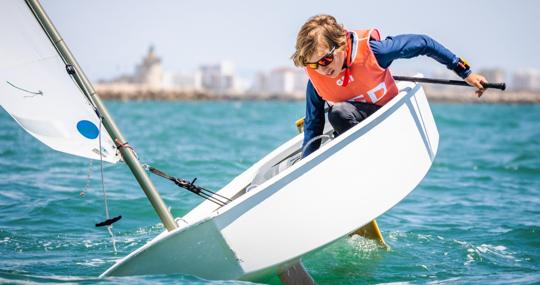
[{"x": 474, "y": 219}]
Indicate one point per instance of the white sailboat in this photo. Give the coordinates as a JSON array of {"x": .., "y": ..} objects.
[
  {"x": 297, "y": 206},
  {"x": 280, "y": 209}
]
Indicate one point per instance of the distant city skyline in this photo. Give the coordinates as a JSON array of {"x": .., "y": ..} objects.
[
  {"x": 221, "y": 79},
  {"x": 109, "y": 37},
  {"x": 216, "y": 79}
]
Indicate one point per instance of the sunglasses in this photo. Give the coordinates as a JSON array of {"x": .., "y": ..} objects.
[{"x": 324, "y": 61}]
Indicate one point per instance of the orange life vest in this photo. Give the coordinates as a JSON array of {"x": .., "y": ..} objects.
[{"x": 367, "y": 82}]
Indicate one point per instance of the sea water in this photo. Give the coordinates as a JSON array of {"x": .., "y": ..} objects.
[{"x": 474, "y": 219}]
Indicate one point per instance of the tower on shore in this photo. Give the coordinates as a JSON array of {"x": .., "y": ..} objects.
[{"x": 149, "y": 72}]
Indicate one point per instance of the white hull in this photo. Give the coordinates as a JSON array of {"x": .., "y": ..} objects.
[{"x": 345, "y": 184}]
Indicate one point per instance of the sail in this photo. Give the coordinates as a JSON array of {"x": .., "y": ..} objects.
[{"x": 37, "y": 91}]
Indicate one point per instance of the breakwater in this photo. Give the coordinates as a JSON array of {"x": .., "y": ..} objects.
[{"x": 447, "y": 94}]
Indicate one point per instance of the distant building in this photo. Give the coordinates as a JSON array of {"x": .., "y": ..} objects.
[
  {"x": 219, "y": 78},
  {"x": 188, "y": 82},
  {"x": 493, "y": 74},
  {"x": 260, "y": 84},
  {"x": 300, "y": 81},
  {"x": 281, "y": 82},
  {"x": 149, "y": 72},
  {"x": 526, "y": 80}
]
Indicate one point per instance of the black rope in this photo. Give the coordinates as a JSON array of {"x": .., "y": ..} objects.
[{"x": 191, "y": 187}]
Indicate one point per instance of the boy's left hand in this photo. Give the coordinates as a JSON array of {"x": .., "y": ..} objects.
[{"x": 476, "y": 80}]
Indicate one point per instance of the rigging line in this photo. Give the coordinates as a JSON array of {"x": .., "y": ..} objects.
[
  {"x": 214, "y": 199},
  {"x": 210, "y": 198},
  {"x": 191, "y": 187},
  {"x": 105, "y": 199},
  {"x": 199, "y": 192},
  {"x": 215, "y": 194},
  {"x": 212, "y": 195},
  {"x": 197, "y": 189}
]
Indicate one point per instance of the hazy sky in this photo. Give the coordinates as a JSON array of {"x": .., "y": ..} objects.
[{"x": 109, "y": 37}]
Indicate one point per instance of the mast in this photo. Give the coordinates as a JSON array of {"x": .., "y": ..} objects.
[{"x": 127, "y": 153}]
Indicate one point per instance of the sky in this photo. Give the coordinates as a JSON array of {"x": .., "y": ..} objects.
[{"x": 109, "y": 38}]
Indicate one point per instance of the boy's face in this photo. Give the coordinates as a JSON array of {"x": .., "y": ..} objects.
[{"x": 329, "y": 60}]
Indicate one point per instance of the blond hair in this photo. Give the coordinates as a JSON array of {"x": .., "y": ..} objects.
[{"x": 317, "y": 29}]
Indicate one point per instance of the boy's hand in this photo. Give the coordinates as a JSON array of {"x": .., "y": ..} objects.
[{"x": 476, "y": 80}]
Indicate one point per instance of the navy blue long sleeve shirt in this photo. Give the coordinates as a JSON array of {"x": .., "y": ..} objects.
[{"x": 386, "y": 51}]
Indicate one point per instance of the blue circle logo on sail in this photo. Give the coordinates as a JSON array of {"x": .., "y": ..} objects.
[{"x": 88, "y": 129}]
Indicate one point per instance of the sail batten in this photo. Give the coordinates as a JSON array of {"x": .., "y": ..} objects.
[{"x": 37, "y": 91}]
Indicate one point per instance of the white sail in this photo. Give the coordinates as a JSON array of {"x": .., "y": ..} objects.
[{"x": 37, "y": 91}]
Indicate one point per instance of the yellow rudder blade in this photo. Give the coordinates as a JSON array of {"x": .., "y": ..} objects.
[{"x": 371, "y": 231}]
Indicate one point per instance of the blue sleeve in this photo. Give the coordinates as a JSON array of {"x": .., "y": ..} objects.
[
  {"x": 314, "y": 120},
  {"x": 408, "y": 46}
]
